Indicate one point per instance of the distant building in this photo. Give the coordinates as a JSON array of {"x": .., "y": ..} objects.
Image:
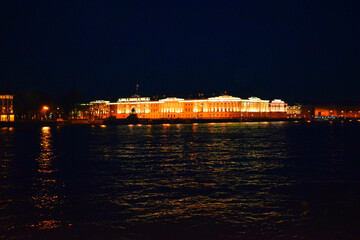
[
  {"x": 278, "y": 105},
  {"x": 222, "y": 107},
  {"x": 94, "y": 109},
  {"x": 294, "y": 110},
  {"x": 100, "y": 109},
  {"x": 332, "y": 111},
  {"x": 6, "y": 108}
]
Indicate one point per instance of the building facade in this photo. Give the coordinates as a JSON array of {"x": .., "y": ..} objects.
[
  {"x": 6, "y": 108},
  {"x": 221, "y": 107},
  {"x": 98, "y": 109},
  {"x": 337, "y": 112},
  {"x": 294, "y": 110}
]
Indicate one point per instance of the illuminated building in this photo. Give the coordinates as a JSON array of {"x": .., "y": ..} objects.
[
  {"x": 6, "y": 108},
  {"x": 294, "y": 110},
  {"x": 94, "y": 109},
  {"x": 222, "y": 107},
  {"x": 337, "y": 111},
  {"x": 278, "y": 105},
  {"x": 100, "y": 108}
]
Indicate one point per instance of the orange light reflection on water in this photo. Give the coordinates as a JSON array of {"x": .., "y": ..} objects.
[
  {"x": 45, "y": 196},
  {"x": 47, "y": 224}
]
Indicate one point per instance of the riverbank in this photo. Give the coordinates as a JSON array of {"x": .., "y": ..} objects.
[
  {"x": 160, "y": 121},
  {"x": 137, "y": 121}
]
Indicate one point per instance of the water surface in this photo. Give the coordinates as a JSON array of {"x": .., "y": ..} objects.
[{"x": 278, "y": 180}]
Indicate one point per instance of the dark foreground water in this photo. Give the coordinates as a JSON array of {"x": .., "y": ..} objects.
[{"x": 277, "y": 180}]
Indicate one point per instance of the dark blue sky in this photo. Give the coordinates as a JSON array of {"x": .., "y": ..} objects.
[{"x": 294, "y": 50}]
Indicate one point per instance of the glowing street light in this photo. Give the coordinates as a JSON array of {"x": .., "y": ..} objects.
[{"x": 44, "y": 111}]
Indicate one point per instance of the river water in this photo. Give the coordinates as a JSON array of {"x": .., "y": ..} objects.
[{"x": 266, "y": 180}]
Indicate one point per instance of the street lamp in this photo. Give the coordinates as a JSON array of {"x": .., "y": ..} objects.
[{"x": 45, "y": 109}]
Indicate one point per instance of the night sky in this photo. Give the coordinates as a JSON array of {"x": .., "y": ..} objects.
[{"x": 294, "y": 50}]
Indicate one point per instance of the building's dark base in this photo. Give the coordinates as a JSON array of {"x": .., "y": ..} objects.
[
  {"x": 139, "y": 121},
  {"x": 160, "y": 121},
  {"x": 184, "y": 121}
]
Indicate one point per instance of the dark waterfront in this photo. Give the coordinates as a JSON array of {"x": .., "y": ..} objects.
[{"x": 267, "y": 180}]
